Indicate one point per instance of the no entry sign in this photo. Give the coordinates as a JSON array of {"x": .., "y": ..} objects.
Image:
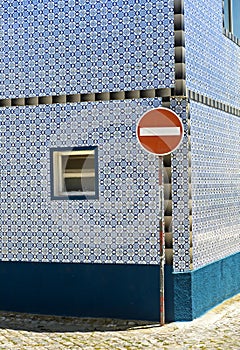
[{"x": 160, "y": 131}]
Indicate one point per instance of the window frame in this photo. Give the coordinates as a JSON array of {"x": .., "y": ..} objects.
[
  {"x": 228, "y": 23},
  {"x": 58, "y": 174}
]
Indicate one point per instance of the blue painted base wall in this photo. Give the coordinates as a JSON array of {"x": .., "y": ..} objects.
[
  {"x": 196, "y": 292},
  {"x": 117, "y": 291},
  {"x": 85, "y": 290}
]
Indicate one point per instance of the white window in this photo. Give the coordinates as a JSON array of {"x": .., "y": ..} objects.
[{"x": 74, "y": 173}]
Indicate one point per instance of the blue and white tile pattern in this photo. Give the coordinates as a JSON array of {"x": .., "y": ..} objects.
[
  {"x": 215, "y": 142},
  {"x": 212, "y": 59},
  {"x": 180, "y": 194},
  {"x": 121, "y": 227},
  {"x": 52, "y": 47}
]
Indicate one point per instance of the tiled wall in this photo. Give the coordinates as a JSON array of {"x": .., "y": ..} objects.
[
  {"x": 79, "y": 46},
  {"x": 66, "y": 47},
  {"x": 180, "y": 193},
  {"x": 215, "y": 149},
  {"x": 121, "y": 227},
  {"x": 212, "y": 59},
  {"x": 212, "y": 67}
]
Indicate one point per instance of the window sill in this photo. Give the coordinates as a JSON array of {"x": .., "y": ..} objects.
[{"x": 230, "y": 36}]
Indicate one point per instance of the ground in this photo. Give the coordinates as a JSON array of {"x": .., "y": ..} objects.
[{"x": 218, "y": 329}]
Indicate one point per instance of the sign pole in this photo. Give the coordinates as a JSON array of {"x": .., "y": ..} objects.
[
  {"x": 161, "y": 240},
  {"x": 160, "y": 132}
]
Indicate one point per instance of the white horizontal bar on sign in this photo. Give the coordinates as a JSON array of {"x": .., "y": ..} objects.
[{"x": 160, "y": 131}]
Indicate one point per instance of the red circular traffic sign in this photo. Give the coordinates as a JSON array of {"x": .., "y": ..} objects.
[{"x": 160, "y": 131}]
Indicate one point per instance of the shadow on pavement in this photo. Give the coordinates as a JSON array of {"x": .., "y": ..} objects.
[{"x": 61, "y": 324}]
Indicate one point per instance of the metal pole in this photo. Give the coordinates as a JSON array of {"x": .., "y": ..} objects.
[{"x": 161, "y": 240}]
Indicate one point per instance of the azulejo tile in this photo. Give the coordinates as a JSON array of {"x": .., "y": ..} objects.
[
  {"x": 85, "y": 46},
  {"x": 211, "y": 57},
  {"x": 120, "y": 227},
  {"x": 215, "y": 183},
  {"x": 180, "y": 193}
]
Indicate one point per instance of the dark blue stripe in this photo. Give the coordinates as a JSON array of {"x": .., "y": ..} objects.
[{"x": 87, "y": 290}]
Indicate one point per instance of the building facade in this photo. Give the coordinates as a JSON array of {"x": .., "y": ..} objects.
[{"x": 80, "y": 208}]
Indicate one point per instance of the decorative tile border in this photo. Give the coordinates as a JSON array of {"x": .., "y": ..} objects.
[
  {"x": 180, "y": 193},
  {"x": 213, "y": 103}
]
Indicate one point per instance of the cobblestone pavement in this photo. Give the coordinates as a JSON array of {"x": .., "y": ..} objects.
[{"x": 217, "y": 329}]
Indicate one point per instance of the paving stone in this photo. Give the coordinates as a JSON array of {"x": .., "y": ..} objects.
[{"x": 217, "y": 329}]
